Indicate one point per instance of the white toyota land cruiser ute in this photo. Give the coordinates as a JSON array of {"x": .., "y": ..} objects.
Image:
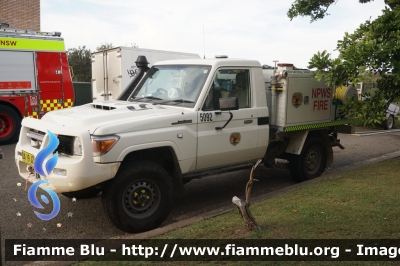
[{"x": 183, "y": 117}]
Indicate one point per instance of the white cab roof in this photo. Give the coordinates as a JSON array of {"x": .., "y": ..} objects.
[{"x": 224, "y": 62}]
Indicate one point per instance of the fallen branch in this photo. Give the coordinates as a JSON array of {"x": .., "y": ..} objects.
[{"x": 243, "y": 207}]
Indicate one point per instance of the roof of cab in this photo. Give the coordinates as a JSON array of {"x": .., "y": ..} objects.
[{"x": 224, "y": 62}]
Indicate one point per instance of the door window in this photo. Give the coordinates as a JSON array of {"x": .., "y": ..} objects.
[{"x": 229, "y": 83}]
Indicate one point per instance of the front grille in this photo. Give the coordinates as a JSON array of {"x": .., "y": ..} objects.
[
  {"x": 35, "y": 134},
  {"x": 66, "y": 145}
]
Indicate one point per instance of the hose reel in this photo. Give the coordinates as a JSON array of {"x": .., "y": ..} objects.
[{"x": 341, "y": 96}]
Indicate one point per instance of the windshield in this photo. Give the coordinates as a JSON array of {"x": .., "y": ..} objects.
[{"x": 172, "y": 85}]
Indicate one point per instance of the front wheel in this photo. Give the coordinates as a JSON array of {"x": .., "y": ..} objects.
[
  {"x": 139, "y": 198},
  {"x": 310, "y": 163}
]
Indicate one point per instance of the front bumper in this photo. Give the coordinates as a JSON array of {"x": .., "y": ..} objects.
[{"x": 81, "y": 171}]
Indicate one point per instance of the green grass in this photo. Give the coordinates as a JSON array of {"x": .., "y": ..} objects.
[
  {"x": 360, "y": 204},
  {"x": 355, "y": 205}
]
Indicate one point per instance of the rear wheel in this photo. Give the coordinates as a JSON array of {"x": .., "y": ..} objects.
[
  {"x": 10, "y": 125},
  {"x": 310, "y": 163},
  {"x": 139, "y": 198},
  {"x": 389, "y": 123}
]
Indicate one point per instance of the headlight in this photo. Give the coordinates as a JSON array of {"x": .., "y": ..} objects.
[
  {"x": 77, "y": 146},
  {"x": 101, "y": 145}
]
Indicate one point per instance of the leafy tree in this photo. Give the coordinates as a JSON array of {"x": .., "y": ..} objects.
[
  {"x": 104, "y": 46},
  {"x": 373, "y": 47},
  {"x": 80, "y": 61}
]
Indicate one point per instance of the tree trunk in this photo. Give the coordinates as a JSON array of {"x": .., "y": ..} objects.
[{"x": 243, "y": 207}]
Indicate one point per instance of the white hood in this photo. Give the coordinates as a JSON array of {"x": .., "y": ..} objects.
[{"x": 111, "y": 114}]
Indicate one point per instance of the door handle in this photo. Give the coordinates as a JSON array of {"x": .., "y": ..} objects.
[{"x": 248, "y": 121}]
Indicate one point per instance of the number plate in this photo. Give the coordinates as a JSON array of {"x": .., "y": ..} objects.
[{"x": 28, "y": 157}]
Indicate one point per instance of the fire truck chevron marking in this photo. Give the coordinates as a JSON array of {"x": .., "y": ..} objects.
[
  {"x": 55, "y": 104},
  {"x": 320, "y": 125},
  {"x": 8, "y": 43},
  {"x": 35, "y": 78}
]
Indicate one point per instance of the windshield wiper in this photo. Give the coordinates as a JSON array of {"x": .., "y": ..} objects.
[
  {"x": 139, "y": 99},
  {"x": 152, "y": 98},
  {"x": 174, "y": 101},
  {"x": 181, "y": 101}
]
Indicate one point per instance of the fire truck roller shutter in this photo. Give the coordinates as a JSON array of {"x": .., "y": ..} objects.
[{"x": 10, "y": 124}]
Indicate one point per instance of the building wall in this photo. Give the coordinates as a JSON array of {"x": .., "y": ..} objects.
[{"x": 21, "y": 14}]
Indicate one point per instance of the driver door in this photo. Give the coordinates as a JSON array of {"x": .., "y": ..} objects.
[{"x": 237, "y": 142}]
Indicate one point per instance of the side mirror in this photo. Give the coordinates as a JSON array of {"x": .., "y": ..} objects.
[{"x": 230, "y": 103}]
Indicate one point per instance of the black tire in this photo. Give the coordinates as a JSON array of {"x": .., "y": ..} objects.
[
  {"x": 139, "y": 198},
  {"x": 310, "y": 163},
  {"x": 10, "y": 125},
  {"x": 389, "y": 123},
  {"x": 85, "y": 193}
]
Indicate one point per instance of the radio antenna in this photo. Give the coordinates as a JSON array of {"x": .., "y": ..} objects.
[{"x": 204, "y": 44}]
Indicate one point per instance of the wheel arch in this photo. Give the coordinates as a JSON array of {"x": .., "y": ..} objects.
[
  {"x": 12, "y": 106},
  {"x": 298, "y": 139},
  {"x": 166, "y": 157}
]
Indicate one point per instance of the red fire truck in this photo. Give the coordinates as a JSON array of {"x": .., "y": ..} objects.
[{"x": 34, "y": 78}]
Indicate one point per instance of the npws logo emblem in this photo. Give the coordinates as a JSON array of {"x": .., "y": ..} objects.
[
  {"x": 49, "y": 165},
  {"x": 297, "y": 99}
]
